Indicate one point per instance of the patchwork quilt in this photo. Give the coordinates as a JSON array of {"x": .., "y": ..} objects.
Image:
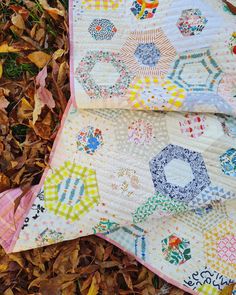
[{"x": 146, "y": 155}]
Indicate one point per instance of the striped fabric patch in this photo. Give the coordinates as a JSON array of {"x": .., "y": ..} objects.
[{"x": 71, "y": 191}]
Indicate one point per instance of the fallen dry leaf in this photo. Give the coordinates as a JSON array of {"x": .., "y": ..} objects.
[
  {"x": 1, "y": 69},
  {"x": 228, "y": 290},
  {"x": 4, "y": 182},
  {"x": 53, "y": 12},
  {"x": 94, "y": 288},
  {"x": 39, "y": 58},
  {"x": 18, "y": 21},
  {"x": 42, "y": 95},
  {"x": 5, "y": 48},
  {"x": 8, "y": 292}
]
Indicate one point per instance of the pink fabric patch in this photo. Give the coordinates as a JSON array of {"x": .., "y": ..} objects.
[
  {"x": 9, "y": 217},
  {"x": 226, "y": 249}
]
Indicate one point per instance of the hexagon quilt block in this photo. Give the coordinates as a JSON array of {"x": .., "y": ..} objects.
[
  {"x": 141, "y": 134},
  {"x": 144, "y": 9},
  {"x": 102, "y": 29},
  {"x": 71, "y": 191},
  {"x": 193, "y": 125},
  {"x": 219, "y": 245},
  {"x": 155, "y": 93},
  {"x": 206, "y": 76},
  {"x": 176, "y": 250},
  {"x": 228, "y": 162},
  {"x": 192, "y": 25},
  {"x": 148, "y": 53},
  {"x": 118, "y": 74},
  {"x": 193, "y": 179},
  {"x": 89, "y": 140},
  {"x": 191, "y": 22}
]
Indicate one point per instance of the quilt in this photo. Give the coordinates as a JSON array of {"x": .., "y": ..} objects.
[{"x": 146, "y": 155}]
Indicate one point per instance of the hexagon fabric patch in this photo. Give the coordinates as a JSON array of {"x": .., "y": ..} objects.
[
  {"x": 148, "y": 53},
  {"x": 193, "y": 125},
  {"x": 206, "y": 76},
  {"x": 228, "y": 162},
  {"x": 219, "y": 246},
  {"x": 179, "y": 192},
  {"x": 97, "y": 90},
  {"x": 154, "y": 93},
  {"x": 144, "y": 9},
  {"x": 89, "y": 140},
  {"x": 126, "y": 182},
  {"x": 71, "y": 191},
  {"x": 140, "y": 132},
  {"x": 102, "y": 29},
  {"x": 176, "y": 250},
  {"x": 226, "y": 248},
  {"x": 191, "y": 22}
]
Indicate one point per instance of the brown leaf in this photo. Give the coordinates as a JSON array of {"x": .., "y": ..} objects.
[
  {"x": 228, "y": 290},
  {"x": 94, "y": 288},
  {"x": 16, "y": 178},
  {"x": 16, "y": 30},
  {"x": 108, "y": 252},
  {"x": 99, "y": 254},
  {"x": 53, "y": 12},
  {"x": 39, "y": 58},
  {"x": 42, "y": 130},
  {"x": 53, "y": 286},
  {"x": 1, "y": 147},
  {"x": 17, "y": 258},
  {"x": 109, "y": 264},
  {"x": 58, "y": 53},
  {"x": 1, "y": 69},
  {"x": 127, "y": 279},
  {"x": 62, "y": 74},
  {"x": 5, "y": 48},
  {"x": 24, "y": 110},
  {"x": 86, "y": 283},
  {"x": 8, "y": 292},
  {"x": 4, "y": 182},
  {"x": 18, "y": 21},
  {"x": 21, "y": 10}
]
